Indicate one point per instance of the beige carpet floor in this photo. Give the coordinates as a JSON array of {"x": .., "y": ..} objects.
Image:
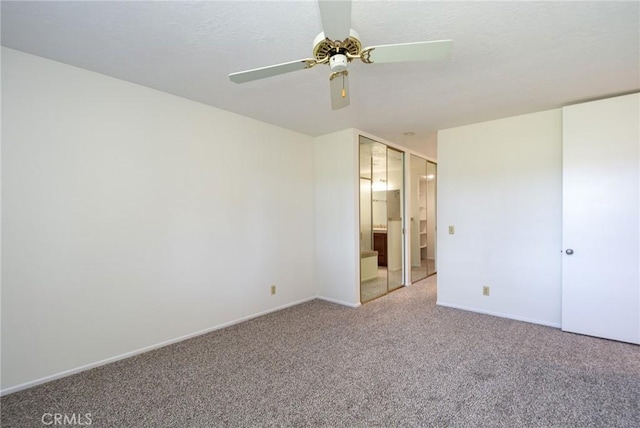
[{"x": 398, "y": 361}]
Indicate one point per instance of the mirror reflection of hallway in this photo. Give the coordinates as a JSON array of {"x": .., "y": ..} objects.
[
  {"x": 381, "y": 207},
  {"x": 423, "y": 218}
]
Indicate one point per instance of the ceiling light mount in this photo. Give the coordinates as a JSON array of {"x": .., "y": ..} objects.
[
  {"x": 338, "y": 63},
  {"x": 324, "y": 47}
]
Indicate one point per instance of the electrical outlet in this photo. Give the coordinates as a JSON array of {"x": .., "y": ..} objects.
[
  {"x": 485, "y": 290},
  {"x": 273, "y": 290},
  {"x": 452, "y": 230}
]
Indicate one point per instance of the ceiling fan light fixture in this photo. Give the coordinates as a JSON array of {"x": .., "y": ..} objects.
[
  {"x": 338, "y": 44},
  {"x": 338, "y": 63}
]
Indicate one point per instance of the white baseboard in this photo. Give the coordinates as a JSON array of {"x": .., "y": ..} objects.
[
  {"x": 499, "y": 314},
  {"x": 339, "y": 302},
  {"x": 85, "y": 367}
]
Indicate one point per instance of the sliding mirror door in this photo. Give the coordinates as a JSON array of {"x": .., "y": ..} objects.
[
  {"x": 418, "y": 218},
  {"x": 381, "y": 217},
  {"x": 431, "y": 180},
  {"x": 423, "y": 218},
  {"x": 368, "y": 257},
  {"x": 373, "y": 220},
  {"x": 395, "y": 204}
]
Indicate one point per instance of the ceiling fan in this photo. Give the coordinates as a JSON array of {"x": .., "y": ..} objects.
[{"x": 338, "y": 45}]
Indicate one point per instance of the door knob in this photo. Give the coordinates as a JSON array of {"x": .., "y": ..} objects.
[{"x": 569, "y": 251}]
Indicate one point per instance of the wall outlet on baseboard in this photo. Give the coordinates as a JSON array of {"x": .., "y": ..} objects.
[
  {"x": 485, "y": 290},
  {"x": 273, "y": 290}
]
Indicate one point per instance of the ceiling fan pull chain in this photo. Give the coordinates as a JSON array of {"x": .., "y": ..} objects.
[{"x": 344, "y": 92}]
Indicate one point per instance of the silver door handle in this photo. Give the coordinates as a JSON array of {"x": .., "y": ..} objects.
[{"x": 569, "y": 251}]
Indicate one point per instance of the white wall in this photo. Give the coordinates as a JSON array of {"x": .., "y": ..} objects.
[
  {"x": 132, "y": 217},
  {"x": 337, "y": 269},
  {"x": 499, "y": 184},
  {"x": 431, "y": 147},
  {"x": 425, "y": 146}
]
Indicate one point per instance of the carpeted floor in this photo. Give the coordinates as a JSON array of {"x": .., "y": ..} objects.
[{"x": 399, "y": 361}]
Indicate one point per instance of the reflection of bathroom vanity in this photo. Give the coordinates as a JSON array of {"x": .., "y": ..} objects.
[{"x": 380, "y": 245}]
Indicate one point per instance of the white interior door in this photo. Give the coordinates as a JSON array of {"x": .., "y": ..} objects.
[{"x": 601, "y": 219}]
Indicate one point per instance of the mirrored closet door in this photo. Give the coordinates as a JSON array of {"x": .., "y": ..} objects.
[
  {"x": 423, "y": 218},
  {"x": 430, "y": 252},
  {"x": 395, "y": 203},
  {"x": 381, "y": 219}
]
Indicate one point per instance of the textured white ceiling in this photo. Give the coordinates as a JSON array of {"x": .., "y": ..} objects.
[{"x": 508, "y": 58}]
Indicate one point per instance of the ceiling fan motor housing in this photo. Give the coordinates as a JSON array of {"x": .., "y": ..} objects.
[
  {"x": 324, "y": 47},
  {"x": 338, "y": 63}
]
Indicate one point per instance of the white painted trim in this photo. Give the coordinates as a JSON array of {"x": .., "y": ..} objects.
[
  {"x": 339, "y": 302},
  {"x": 86, "y": 367},
  {"x": 356, "y": 219},
  {"x": 499, "y": 314}
]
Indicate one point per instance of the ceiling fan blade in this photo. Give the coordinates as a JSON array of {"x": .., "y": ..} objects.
[
  {"x": 404, "y": 52},
  {"x": 336, "y": 18},
  {"x": 339, "y": 84},
  {"x": 272, "y": 70}
]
